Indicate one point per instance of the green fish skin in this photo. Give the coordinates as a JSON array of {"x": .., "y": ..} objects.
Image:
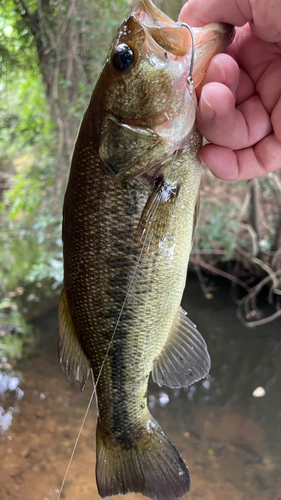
[{"x": 130, "y": 211}]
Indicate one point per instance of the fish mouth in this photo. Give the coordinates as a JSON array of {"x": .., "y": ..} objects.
[
  {"x": 210, "y": 40},
  {"x": 169, "y": 35},
  {"x": 177, "y": 43},
  {"x": 176, "y": 40},
  {"x": 149, "y": 14},
  {"x": 163, "y": 41},
  {"x": 164, "y": 124}
]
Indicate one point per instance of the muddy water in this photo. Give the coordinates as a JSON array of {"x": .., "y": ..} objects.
[{"x": 230, "y": 439}]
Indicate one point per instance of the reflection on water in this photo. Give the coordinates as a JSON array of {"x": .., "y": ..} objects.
[
  {"x": 10, "y": 395},
  {"x": 227, "y": 427}
]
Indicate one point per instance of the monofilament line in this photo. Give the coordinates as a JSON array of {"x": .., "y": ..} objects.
[
  {"x": 95, "y": 391},
  {"x": 75, "y": 444},
  {"x": 100, "y": 372},
  {"x": 119, "y": 317}
]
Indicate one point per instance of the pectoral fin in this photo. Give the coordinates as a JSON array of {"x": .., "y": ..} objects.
[
  {"x": 184, "y": 359},
  {"x": 151, "y": 229},
  {"x": 75, "y": 365},
  {"x": 196, "y": 217}
]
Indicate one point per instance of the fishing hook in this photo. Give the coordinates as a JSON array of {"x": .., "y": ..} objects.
[{"x": 190, "y": 78}]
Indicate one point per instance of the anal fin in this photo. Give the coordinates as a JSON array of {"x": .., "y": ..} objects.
[
  {"x": 185, "y": 358},
  {"x": 75, "y": 365}
]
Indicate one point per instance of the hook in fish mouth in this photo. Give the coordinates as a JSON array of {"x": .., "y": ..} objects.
[{"x": 190, "y": 81}]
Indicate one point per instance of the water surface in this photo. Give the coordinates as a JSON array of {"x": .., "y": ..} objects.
[{"x": 230, "y": 439}]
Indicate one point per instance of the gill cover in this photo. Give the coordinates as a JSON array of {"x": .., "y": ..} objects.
[
  {"x": 151, "y": 85},
  {"x": 148, "y": 112}
]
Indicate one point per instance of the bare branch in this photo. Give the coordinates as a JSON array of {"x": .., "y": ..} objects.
[
  {"x": 215, "y": 270},
  {"x": 254, "y": 237},
  {"x": 252, "y": 296},
  {"x": 259, "y": 322}
]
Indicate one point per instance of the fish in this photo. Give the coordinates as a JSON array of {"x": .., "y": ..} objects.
[{"x": 129, "y": 216}]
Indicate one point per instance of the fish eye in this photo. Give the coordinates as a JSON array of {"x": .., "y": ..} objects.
[{"x": 123, "y": 58}]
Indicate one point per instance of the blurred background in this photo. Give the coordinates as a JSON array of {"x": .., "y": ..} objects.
[{"x": 51, "y": 52}]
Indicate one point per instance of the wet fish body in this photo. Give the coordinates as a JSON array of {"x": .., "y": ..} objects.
[{"x": 129, "y": 216}]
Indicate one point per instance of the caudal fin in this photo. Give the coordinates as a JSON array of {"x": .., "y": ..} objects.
[{"x": 151, "y": 466}]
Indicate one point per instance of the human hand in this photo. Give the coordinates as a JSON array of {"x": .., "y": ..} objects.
[{"x": 239, "y": 108}]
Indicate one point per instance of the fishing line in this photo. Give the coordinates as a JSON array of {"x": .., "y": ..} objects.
[
  {"x": 120, "y": 314},
  {"x": 75, "y": 444},
  {"x": 157, "y": 202},
  {"x": 94, "y": 393}
]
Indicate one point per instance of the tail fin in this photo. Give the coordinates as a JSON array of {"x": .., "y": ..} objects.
[{"x": 151, "y": 466}]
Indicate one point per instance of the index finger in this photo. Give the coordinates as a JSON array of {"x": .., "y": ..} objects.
[{"x": 199, "y": 12}]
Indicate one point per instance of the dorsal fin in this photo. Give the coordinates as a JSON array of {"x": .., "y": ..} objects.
[
  {"x": 75, "y": 365},
  {"x": 184, "y": 358}
]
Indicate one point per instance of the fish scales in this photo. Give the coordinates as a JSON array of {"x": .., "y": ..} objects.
[
  {"x": 137, "y": 340},
  {"x": 130, "y": 211}
]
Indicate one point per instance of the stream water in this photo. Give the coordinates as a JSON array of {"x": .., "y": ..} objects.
[{"x": 230, "y": 439}]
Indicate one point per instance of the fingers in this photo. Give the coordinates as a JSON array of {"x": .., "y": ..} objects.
[
  {"x": 246, "y": 140},
  {"x": 266, "y": 21},
  {"x": 247, "y": 163},
  {"x": 276, "y": 120},
  {"x": 200, "y": 12},
  {"x": 222, "y": 69},
  {"x": 246, "y": 87},
  {"x": 269, "y": 84},
  {"x": 264, "y": 17},
  {"x": 224, "y": 125}
]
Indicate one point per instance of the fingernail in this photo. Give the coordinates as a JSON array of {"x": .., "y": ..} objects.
[{"x": 207, "y": 112}]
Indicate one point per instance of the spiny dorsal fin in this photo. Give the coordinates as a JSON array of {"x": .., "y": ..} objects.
[
  {"x": 185, "y": 358},
  {"x": 75, "y": 365}
]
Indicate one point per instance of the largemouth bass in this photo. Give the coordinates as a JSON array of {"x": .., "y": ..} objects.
[{"x": 129, "y": 216}]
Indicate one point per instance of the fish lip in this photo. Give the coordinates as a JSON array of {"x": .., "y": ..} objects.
[
  {"x": 209, "y": 41},
  {"x": 149, "y": 15},
  {"x": 162, "y": 29},
  {"x": 168, "y": 34},
  {"x": 224, "y": 31},
  {"x": 232, "y": 34}
]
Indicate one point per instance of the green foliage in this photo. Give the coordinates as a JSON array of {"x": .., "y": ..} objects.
[
  {"x": 172, "y": 9},
  {"x": 30, "y": 236},
  {"x": 51, "y": 53},
  {"x": 42, "y": 100},
  {"x": 218, "y": 227},
  {"x": 14, "y": 332}
]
